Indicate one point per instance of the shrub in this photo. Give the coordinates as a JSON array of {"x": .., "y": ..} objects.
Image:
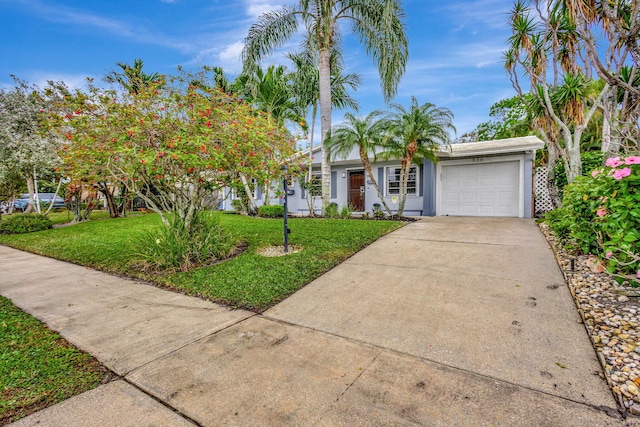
[
  {"x": 601, "y": 214},
  {"x": 332, "y": 211},
  {"x": 271, "y": 211},
  {"x": 559, "y": 222},
  {"x": 379, "y": 214},
  {"x": 591, "y": 160},
  {"x": 346, "y": 212},
  {"x": 177, "y": 247},
  {"x": 25, "y": 223}
]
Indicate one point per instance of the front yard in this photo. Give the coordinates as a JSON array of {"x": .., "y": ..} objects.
[{"x": 250, "y": 280}]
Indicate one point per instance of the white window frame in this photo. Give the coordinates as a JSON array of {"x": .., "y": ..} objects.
[
  {"x": 317, "y": 175},
  {"x": 398, "y": 167},
  {"x": 253, "y": 186}
]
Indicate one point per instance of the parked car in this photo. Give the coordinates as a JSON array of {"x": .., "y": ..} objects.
[{"x": 45, "y": 199}]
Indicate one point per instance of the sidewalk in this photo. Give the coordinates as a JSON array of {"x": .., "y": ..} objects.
[{"x": 448, "y": 321}]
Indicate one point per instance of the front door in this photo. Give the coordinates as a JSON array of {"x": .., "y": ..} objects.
[{"x": 356, "y": 190}]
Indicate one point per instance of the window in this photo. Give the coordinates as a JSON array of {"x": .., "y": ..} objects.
[
  {"x": 314, "y": 187},
  {"x": 393, "y": 181}
]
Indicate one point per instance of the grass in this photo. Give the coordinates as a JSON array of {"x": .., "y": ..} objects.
[
  {"x": 249, "y": 281},
  {"x": 63, "y": 216},
  {"x": 38, "y": 368}
]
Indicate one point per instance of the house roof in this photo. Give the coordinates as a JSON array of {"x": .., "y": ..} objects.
[
  {"x": 497, "y": 146},
  {"x": 469, "y": 149}
]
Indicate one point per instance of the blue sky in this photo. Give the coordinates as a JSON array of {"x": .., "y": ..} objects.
[{"x": 455, "y": 47}]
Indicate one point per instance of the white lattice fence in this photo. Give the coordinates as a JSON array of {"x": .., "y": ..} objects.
[{"x": 541, "y": 192}]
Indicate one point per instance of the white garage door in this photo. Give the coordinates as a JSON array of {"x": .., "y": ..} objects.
[{"x": 481, "y": 189}]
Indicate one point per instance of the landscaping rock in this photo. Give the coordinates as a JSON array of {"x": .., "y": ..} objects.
[{"x": 610, "y": 314}]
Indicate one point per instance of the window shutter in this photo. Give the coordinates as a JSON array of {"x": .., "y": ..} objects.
[
  {"x": 259, "y": 193},
  {"x": 334, "y": 184},
  {"x": 421, "y": 180},
  {"x": 303, "y": 193},
  {"x": 381, "y": 180}
]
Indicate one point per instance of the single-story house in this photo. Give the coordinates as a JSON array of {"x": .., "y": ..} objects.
[{"x": 487, "y": 178}]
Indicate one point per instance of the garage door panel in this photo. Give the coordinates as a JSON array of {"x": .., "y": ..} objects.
[
  {"x": 488, "y": 189},
  {"x": 486, "y": 182},
  {"x": 467, "y": 197},
  {"x": 486, "y": 197}
]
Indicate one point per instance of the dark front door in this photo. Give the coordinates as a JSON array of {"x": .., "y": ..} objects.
[{"x": 356, "y": 190}]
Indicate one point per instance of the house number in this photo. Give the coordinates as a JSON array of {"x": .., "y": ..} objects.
[{"x": 478, "y": 160}]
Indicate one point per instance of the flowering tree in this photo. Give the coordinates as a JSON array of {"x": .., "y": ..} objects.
[
  {"x": 26, "y": 149},
  {"x": 172, "y": 143}
]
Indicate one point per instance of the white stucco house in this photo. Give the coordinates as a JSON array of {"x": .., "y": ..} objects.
[{"x": 487, "y": 178}]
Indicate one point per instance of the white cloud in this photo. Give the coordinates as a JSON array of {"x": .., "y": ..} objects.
[
  {"x": 256, "y": 8},
  {"x": 230, "y": 56},
  {"x": 489, "y": 13},
  {"x": 73, "y": 81}
]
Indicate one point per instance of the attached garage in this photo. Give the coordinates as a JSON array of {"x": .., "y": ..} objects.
[
  {"x": 488, "y": 178},
  {"x": 481, "y": 189}
]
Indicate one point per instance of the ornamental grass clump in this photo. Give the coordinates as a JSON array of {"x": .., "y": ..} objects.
[
  {"x": 182, "y": 246},
  {"x": 600, "y": 215}
]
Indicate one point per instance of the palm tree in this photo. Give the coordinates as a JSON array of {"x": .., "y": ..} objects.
[
  {"x": 306, "y": 79},
  {"x": 132, "y": 78},
  {"x": 376, "y": 23},
  {"x": 273, "y": 92},
  {"x": 414, "y": 134},
  {"x": 365, "y": 134}
]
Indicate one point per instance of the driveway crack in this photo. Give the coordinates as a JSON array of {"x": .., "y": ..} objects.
[{"x": 358, "y": 376}]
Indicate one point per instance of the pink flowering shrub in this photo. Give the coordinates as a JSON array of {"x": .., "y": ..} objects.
[{"x": 600, "y": 215}]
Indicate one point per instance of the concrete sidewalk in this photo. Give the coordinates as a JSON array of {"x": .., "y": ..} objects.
[{"x": 448, "y": 321}]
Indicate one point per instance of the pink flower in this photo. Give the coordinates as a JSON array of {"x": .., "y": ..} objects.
[
  {"x": 638, "y": 274},
  {"x": 608, "y": 255},
  {"x": 601, "y": 212},
  {"x": 594, "y": 172},
  {"x": 614, "y": 162},
  {"x": 621, "y": 173},
  {"x": 632, "y": 160}
]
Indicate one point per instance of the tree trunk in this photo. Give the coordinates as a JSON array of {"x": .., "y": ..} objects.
[
  {"x": 310, "y": 197},
  {"x": 613, "y": 147},
  {"x": 551, "y": 175},
  {"x": 104, "y": 189},
  {"x": 54, "y": 196},
  {"x": 31, "y": 188},
  {"x": 252, "y": 203},
  {"x": 404, "y": 179},
  {"x": 325, "y": 123},
  {"x": 124, "y": 195},
  {"x": 606, "y": 131},
  {"x": 367, "y": 166}
]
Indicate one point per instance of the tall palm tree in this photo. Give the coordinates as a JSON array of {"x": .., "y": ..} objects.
[
  {"x": 306, "y": 85},
  {"x": 365, "y": 134},
  {"x": 376, "y": 23},
  {"x": 413, "y": 134}
]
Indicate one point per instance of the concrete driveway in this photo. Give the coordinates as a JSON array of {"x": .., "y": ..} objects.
[
  {"x": 483, "y": 295},
  {"x": 447, "y": 321}
]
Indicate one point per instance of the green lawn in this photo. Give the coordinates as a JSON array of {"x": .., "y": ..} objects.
[
  {"x": 38, "y": 368},
  {"x": 63, "y": 216},
  {"x": 249, "y": 281}
]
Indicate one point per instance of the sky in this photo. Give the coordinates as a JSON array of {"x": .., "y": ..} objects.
[{"x": 455, "y": 47}]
